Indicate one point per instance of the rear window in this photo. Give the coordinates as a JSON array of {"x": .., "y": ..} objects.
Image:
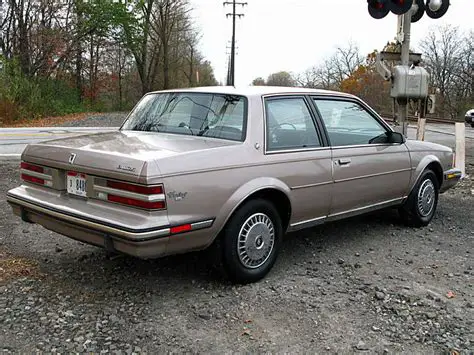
[{"x": 198, "y": 114}]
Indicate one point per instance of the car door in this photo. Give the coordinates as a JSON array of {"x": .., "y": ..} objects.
[
  {"x": 368, "y": 172},
  {"x": 297, "y": 152}
]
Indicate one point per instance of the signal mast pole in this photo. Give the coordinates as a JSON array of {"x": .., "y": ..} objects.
[{"x": 405, "y": 60}]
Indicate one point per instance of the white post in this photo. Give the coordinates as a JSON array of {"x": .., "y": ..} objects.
[
  {"x": 460, "y": 160},
  {"x": 420, "y": 129}
]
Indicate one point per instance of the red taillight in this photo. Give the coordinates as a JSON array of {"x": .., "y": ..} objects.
[
  {"x": 30, "y": 178},
  {"x": 145, "y": 190},
  {"x": 35, "y": 174},
  {"x": 136, "y": 203},
  {"x": 31, "y": 167},
  {"x": 134, "y": 195},
  {"x": 180, "y": 229}
]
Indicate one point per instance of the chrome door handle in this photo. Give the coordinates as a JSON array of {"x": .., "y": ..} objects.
[{"x": 344, "y": 161}]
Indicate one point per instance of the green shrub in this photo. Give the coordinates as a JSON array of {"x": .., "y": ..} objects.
[{"x": 24, "y": 97}]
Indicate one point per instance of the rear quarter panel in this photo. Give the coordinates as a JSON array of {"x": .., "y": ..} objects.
[{"x": 211, "y": 183}]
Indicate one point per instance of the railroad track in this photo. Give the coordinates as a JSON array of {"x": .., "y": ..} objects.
[{"x": 428, "y": 119}]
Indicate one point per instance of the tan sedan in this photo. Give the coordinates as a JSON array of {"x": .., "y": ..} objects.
[{"x": 230, "y": 168}]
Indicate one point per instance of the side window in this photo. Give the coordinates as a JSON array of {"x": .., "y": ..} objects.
[
  {"x": 348, "y": 123},
  {"x": 290, "y": 125}
]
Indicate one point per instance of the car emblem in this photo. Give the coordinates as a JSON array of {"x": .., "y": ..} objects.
[
  {"x": 177, "y": 196},
  {"x": 72, "y": 157},
  {"x": 126, "y": 168}
]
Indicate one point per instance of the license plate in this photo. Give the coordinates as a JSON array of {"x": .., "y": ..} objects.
[{"x": 76, "y": 184}]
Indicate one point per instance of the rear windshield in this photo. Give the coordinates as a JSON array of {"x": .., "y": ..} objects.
[{"x": 198, "y": 114}]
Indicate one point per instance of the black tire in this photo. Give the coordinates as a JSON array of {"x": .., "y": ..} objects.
[
  {"x": 472, "y": 125},
  {"x": 412, "y": 212},
  {"x": 234, "y": 267}
]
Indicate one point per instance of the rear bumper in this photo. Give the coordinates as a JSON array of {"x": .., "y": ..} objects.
[
  {"x": 143, "y": 243},
  {"x": 450, "y": 178}
]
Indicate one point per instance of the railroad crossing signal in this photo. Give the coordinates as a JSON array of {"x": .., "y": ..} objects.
[
  {"x": 408, "y": 81},
  {"x": 434, "y": 8}
]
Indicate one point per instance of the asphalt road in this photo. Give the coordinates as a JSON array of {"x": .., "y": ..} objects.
[
  {"x": 444, "y": 134},
  {"x": 14, "y": 140}
]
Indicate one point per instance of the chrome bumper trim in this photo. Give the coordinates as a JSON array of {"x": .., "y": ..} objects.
[{"x": 120, "y": 232}]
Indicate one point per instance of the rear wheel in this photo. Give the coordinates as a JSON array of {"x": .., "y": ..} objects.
[
  {"x": 421, "y": 205},
  {"x": 251, "y": 240}
]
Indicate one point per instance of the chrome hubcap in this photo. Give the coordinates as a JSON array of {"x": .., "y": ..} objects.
[
  {"x": 256, "y": 240},
  {"x": 426, "y": 198}
]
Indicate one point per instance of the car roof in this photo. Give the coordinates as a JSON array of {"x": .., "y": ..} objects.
[{"x": 257, "y": 90}]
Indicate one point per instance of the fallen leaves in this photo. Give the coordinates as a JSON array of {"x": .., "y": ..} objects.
[
  {"x": 12, "y": 267},
  {"x": 48, "y": 121}
]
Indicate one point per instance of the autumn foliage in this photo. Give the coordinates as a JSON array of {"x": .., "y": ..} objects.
[
  {"x": 65, "y": 56},
  {"x": 366, "y": 83}
]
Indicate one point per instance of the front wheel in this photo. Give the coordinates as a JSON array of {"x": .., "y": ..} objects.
[
  {"x": 421, "y": 204},
  {"x": 251, "y": 241}
]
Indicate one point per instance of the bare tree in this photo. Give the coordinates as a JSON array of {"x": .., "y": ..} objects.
[
  {"x": 344, "y": 62},
  {"x": 443, "y": 48},
  {"x": 333, "y": 70}
]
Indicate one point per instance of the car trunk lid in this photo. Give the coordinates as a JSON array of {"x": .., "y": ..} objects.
[{"x": 124, "y": 155}]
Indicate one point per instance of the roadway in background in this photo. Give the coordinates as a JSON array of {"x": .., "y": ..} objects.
[{"x": 14, "y": 140}]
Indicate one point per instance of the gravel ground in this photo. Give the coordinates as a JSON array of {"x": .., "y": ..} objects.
[
  {"x": 367, "y": 284},
  {"x": 111, "y": 119}
]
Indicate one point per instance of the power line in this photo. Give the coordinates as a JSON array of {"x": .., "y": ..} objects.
[{"x": 234, "y": 14}]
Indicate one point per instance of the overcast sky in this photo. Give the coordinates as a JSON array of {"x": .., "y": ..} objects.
[{"x": 293, "y": 35}]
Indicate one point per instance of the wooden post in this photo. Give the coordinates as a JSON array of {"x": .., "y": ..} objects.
[
  {"x": 420, "y": 129},
  {"x": 460, "y": 160}
]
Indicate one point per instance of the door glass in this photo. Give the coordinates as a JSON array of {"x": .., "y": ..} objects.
[
  {"x": 348, "y": 123},
  {"x": 290, "y": 125}
]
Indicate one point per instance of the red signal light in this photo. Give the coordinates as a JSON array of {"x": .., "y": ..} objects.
[
  {"x": 378, "y": 8},
  {"x": 399, "y": 7}
]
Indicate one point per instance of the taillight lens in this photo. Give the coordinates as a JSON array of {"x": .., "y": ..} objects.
[
  {"x": 31, "y": 167},
  {"x": 35, "y": 174},
  {"x": 141, "y": 196},
  {"x": 136, "y": 203},
  {"x": 33, "y": 179},
  {"x": 145, "y": 190}
]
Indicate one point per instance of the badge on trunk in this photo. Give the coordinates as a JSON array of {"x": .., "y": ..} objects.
[{"x": 72, "y": 157}]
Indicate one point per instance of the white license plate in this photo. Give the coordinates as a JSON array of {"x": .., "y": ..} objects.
[{"x": 76, "y": 184}]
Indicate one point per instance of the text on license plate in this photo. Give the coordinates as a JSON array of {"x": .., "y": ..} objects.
[{"x": 76, "y": 183}]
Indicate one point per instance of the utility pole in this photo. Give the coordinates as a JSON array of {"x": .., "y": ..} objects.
[
  {"x": 405, "y": 60},
  {"x": 234, "y": 4}
]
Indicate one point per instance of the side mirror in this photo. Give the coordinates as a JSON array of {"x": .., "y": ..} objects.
[{"x": 396, "y": 138}]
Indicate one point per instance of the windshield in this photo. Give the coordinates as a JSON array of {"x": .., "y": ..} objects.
[{"x": 198, "y": 114}]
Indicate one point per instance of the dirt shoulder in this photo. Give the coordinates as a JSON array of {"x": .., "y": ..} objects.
[
  {"x": 82, "y": 119},
  {"x": 365, "y": 284}
]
